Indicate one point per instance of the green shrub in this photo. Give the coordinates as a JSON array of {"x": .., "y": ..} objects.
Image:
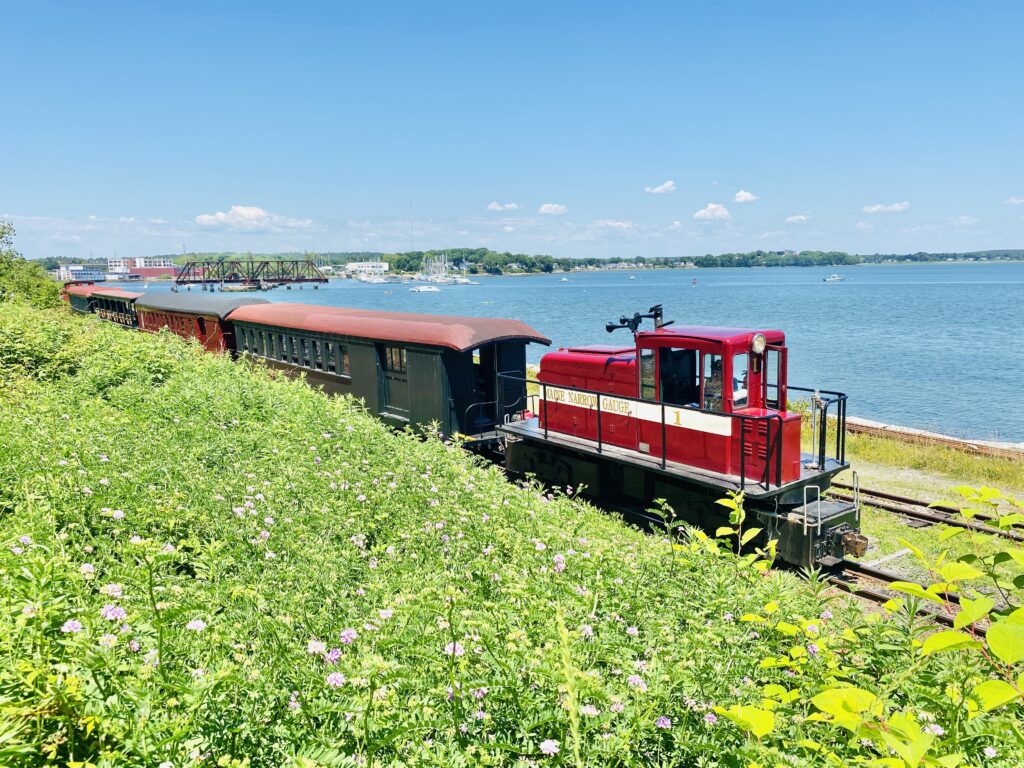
[
  {"x": 23, "y": 280},
  {"x": 203, "y": 564}
]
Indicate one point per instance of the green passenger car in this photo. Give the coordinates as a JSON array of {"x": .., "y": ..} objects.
[{"x": 409, "y": 369}]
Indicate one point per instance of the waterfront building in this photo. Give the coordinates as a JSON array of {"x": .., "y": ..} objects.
[
  {"x": 124, "y": 265},
  {"x": 77, "y": 273},
  {"x": 367, "y": 268}
]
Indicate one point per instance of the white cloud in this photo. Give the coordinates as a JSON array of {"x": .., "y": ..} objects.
[
  {"x": 774, "y": 234},
  {"x": 745, "y": 197},
  {"x": 797, "y": 218},
  {"x": 614, "y": 224},
  {"x": 864, "y": 225},
  {"x": 552, "y": 209},
  {"x": 1015, "y": 201},
  {"x": 891, "y": 208},
  {"x": 963, "y": 221},
  {"x": 508, "y": 228},
  {"x": 712, "y": 212},
  {"x": 249, "y": 218},
  {"x": 494, "y": 205},
  {"x": 675, "y": 226},
  {"x": 662, "y": 189},
  {"x": 127, "y": 220},
  {"x": 156, "y": 221}
]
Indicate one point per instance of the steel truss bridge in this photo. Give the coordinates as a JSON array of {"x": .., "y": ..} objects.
[{"x": 254, "y": 273}]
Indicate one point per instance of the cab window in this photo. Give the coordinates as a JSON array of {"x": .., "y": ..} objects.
[
  {"x": 740, "y": 379},
  {"x": 647, "y": 388},
  {"x": 713, "y": 384},
  {"x": 680, "y": 384}
]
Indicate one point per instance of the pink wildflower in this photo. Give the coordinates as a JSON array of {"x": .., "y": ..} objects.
[
  {"x": 663, "y": 722},
  {"x": 71, "y": 626},
  {"x": 316, "y": 647},
  {"x": 549, "y": 747},
  {"x": 348, "y": 636},
  {"x": 454, "y": 649},
  {"x": 335, "y": 679},
  {"x": 113, "y": 590},
  {"x": 112, "y": 612}
]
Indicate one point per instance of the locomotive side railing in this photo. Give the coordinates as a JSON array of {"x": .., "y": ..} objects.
[
  {"x": 772, "y": 437},
  {"x": 821, "y": 401}
]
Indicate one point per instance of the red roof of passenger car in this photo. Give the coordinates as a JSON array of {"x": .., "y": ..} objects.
[
  {"x": 458, "y": 333},
  {"x": 116, "y": 293},
  {"x": 88, "y": 290},
  {"x": 713, "y": 333}
]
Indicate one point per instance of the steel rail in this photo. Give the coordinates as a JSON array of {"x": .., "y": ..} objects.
[
  {"x": 841, "y": 577},
  {"x": 908, "y": 510},
  {"x": 900, "y": 499}
]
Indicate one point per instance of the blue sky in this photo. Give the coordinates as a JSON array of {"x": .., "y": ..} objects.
[{"x": 594, "y": 129}]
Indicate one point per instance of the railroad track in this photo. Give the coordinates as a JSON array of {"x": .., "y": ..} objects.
[
  {"x": 920, "y": 510},
  {"x": 873, "y": 584}
]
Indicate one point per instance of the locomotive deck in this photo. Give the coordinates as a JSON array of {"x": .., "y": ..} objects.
[{"x": 530, "y": 429}]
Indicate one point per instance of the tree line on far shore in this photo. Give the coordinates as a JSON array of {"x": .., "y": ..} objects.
[{"x": 485, "y": 261}]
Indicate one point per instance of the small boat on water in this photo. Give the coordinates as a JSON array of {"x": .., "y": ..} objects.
[
  {"x": 694, "y": 283},
  {"x": 425, "y": 289},
  {"x": 833, "y": 278},
  {"x": 631, "y": 277},
  {"x": 564, "y": 280}
]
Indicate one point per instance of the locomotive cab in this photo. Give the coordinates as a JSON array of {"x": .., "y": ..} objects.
[
  {"x": 733, "y": 372},
  {"x": 687, "y": 414}
]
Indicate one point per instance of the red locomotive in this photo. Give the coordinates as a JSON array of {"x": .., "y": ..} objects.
[{"x": 686, "y": 414}]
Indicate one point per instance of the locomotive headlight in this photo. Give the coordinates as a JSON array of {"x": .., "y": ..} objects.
[{"x": 758, "y": 343}]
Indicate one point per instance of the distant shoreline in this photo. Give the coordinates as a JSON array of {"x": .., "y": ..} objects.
[{"x": 657, "y": 268}]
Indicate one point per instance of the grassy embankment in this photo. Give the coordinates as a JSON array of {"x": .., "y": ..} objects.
[{"x": 202, "y": 563}]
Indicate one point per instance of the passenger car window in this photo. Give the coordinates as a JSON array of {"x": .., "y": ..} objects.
[{"x": 394, "y": 359}]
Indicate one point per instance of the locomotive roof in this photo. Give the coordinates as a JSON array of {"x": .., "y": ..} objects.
[
  {"x": 201, "y": 304},
  {"x": 458, "y": 333},
  {"x": 116, "y": 293},
  {"x": 716, "y": 334}
]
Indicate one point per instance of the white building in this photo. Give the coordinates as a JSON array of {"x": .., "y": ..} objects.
[
  {"x": 120, "y": 265},
  {"x": 367, "y": 268},
  {"x": 77, "y": 273}
]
